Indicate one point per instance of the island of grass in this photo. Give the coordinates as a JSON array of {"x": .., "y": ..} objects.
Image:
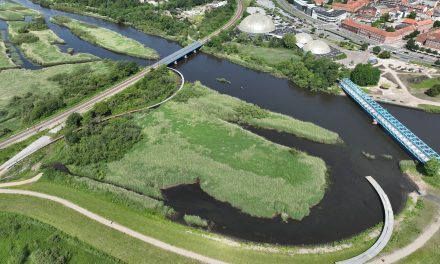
[
  {"x": 106, "y": 38},
  {"x": 14, "y": 12},
  {"x": 196, "y": 137},
  {"x": 40, "y": 45},
  {"x": 5, "y": 61},
  {"x": 26, "y": 240}
]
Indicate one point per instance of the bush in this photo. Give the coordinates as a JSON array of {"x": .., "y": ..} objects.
[
  {"x": 385, "y": 54},
  {"x": 25, "y": 38},
  {"x": 365, "y": 74},
  {"x": 245, "y": 111},
  {"x": 74, "y": 120},
  {"x": 377, "y": 50},
  {"x": 289, "y": 41},
  {"x": 195, "y": 220},
  {"x": 433, "y": 91},
  {"x": 432, "y": 167}
]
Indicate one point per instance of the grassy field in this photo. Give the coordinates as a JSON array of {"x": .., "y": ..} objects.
[
  {"x": 18, "y": 82},
  {"x": 101, "y": 238},
  {"x": 12, "y": 12},
  {"x": 26, "y": 240},
  {"x": 232, "y": 164},
  {"x": 426, "y": 83},
  {"x": 45, "y": 51},
  {"x": 430, "y": 108},
  {"x": 182, "y": 236},
  {"x": 106, "y": 38},
  {"x": 428, "y": 254},
  {"x": 269, "y": 55},
  {"x": 5, "y": 61}
]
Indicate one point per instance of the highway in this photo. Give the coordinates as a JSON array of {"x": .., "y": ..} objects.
[{"x": 88, "y": 104}]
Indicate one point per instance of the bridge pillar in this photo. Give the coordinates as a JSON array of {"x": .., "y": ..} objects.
[
  {"x": 374, "y": 122},
  {"x": 175, "y": 62},
  {"x": 186, "y": 56},
  {"x": 195, "y": 51}
]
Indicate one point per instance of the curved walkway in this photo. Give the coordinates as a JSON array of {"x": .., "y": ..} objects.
[
  {"x": 18, "y": 183},
  {"x": 118, "y": 227},
  {"x": 386, "y": 231}
]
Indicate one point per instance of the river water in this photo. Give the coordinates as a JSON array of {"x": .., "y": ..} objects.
[{"x": 350, "y": 204}]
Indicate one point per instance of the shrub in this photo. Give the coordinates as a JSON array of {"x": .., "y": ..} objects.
[
  {"x": 433, "y": 91},
  {"x": 74, "y": 120},
  {"x": 432, "y": 167},
  {"x": 385, "y": 54},
  {"x": 245, "y": 111},
  {"x": 25, "y": 38},
  {"x": 195, "y": 220}
]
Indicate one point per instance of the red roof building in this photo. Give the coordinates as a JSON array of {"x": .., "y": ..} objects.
[
  {"x": 376, "y": 34},
  {"x": 430, "y": 39},
  {"x": 351, "y": 6}
]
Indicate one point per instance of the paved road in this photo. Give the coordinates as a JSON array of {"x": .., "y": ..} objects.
[
  {"x": 387, "y": 230},
  {"x": 82, "y": 107}
]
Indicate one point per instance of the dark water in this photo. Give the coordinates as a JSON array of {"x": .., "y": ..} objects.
[{"x": 350, "y": 204}]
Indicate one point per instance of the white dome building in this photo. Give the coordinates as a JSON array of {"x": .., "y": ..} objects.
[
  {"x": 317, "y": 47},
  {"x": 302, "y": 39},
  {"x": 257, "y": 24}
]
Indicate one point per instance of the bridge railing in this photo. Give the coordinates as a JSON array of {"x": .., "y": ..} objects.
[{"x": 401, "y": 133}]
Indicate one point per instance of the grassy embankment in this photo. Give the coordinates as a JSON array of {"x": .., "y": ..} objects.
[
  {"x": 5, "y": 61},
  {"x": 45, "y": 51},
  {"x": 106, "y": 38},
  {"x": 26, "y": 240},
  {"x": 19, "y": 82},
  {"x": 14, "y": 12}
]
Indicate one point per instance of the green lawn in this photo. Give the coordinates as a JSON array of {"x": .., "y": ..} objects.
[
  {"x": 5, "y": 61},
  {"x": 12, "y": 12},
  {"x": 269, "y": 55},
  {"x": 45, "y": 51},
  {"x": 430, "y": 108},
  {"x": 106, "y": 38},
  {"x": 199, "y": 241},
  {"x": 425, "y": 84},
  {"x": 102, "y": 238},
  {"x": 25, "y": 240},
  {"x": 428, "y": 254}
]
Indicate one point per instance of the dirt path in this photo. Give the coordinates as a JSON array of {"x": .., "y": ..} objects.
[
  {"x": 106, "y": 222},
  {"x": 412, "y": 247}
]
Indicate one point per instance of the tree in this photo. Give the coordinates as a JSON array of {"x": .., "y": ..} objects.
[
  {"x": 74, "y": 120},
  {"x": 390, "y": 29},
  {"x": 376, "y": 50},
  {"x": 412, "y": 15},
  {"x": 411, "y": 45},
  {"x": 437, "y": 63},
  {"x": 364, "y": 46},
  {"x": 289, "y": 41},
  {"x": 432, "y": 167},
  {"x": 385, "y": 55},
  {"x": 437, "y": 23},
  {"x": 365, "y": 74},
  {"x": 101, "y": 109},
  {"x": 433, "y": 91}
]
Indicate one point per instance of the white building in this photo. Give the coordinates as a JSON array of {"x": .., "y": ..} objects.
[{"x": 330, "y": 16}]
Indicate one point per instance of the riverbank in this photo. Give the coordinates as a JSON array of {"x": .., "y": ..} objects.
[
  {"x": 5, "y": 60},
  {"x": 106, "y": 38}
]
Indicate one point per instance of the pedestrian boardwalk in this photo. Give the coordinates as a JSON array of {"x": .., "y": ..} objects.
[
  {"x": 387, "y": 230},
  {"x": 407, "y": 139}
]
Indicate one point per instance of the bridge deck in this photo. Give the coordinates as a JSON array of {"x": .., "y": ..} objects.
[
  {"x": 387, "y": 230},
  {"x": 180, "y": 53},
  {"x": 419, "y": 149}
]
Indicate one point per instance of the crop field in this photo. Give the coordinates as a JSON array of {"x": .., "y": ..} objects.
[
  {"x": 26, "y": 240},
  {"x": 45, "y": 51},
  {"x": 5, "y": 61},
  {"x": 192, "y": 139},
  {"x": 106, "y": 38},
  {"x": 14, "y": 12}
]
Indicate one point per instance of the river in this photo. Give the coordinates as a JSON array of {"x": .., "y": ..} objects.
[{"x": 350, "y": 204}]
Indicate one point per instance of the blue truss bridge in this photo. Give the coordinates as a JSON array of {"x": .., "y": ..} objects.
[{"x": 407, "y": 139}]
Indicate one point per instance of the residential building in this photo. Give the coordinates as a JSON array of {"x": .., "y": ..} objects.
[
  {"x": 430, "y": 39},
  {"x": 351, "y": 6}
]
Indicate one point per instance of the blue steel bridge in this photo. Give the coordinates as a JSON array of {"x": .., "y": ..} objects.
[{"x": 407, "y": 139}]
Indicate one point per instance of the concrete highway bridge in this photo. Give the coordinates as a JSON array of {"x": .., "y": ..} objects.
[
  {"x": 407, "y": 139},
  {"x": 183, "y": 53}
]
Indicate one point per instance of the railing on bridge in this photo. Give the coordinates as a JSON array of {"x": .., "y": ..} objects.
[
  {"x": 174, "y": 57},
  {"x": 419, "y": 149}
]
